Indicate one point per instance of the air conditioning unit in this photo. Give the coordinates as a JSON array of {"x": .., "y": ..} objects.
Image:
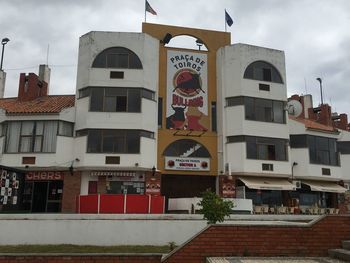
[
  {"x": 347, "y": 186},
  {"x": 297, "y": 184}
]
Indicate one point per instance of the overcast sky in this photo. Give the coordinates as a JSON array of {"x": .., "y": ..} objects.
[{"x": 314, "y": 34}]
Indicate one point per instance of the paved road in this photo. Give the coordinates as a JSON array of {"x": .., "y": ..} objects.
[{"x": 274, "y": 260}]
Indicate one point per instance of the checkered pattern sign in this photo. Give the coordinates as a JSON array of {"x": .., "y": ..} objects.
[{"x": 9, "y": 187}]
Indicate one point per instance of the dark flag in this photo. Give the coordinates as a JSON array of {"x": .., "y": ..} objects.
[
  {"x": 228, "y": 19},
  {"x": 150, "y": 9}
]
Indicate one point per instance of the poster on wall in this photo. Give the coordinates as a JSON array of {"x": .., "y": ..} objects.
[
  {"x": 187, "y": 91},
  {"x": 187, "y": 164}
]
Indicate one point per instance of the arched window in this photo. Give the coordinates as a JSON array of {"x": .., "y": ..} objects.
[
  {"x": 117, "y": 57},
  {"x": 186, "y": 148},
  {"x": 261, "y": 70}
]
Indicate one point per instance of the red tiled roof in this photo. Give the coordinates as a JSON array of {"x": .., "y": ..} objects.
[
  {"x": 311, "y": 124},
  {"x": 46, "y": 104}
]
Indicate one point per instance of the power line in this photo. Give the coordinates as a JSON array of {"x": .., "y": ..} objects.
[{"x": 31, "y": 67}]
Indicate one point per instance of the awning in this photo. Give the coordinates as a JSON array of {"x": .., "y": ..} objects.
[
  {"x": 323, "y": 186},
  {"x": 264, "y": 183}
]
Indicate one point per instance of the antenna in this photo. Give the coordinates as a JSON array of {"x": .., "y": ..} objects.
[
  {"x": 305, "y": 85},
  {"x": 47, "y": 54}
]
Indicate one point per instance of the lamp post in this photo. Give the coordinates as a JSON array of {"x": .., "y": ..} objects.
[
  {"x": 3, "y": 43},
  {"x": 320, "y": 80}
]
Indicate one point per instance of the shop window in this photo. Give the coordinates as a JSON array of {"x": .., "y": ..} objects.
[
  {"x": 117, "y": 57},
  {"x": 31, "y": 136},
  {"x": 263, "y": 71}
]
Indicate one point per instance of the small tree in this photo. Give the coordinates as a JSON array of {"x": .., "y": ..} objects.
[{"x": 214, "y": 208}]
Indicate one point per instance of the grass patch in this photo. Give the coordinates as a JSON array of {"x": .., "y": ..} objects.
[{"x": 83, "y": 249}]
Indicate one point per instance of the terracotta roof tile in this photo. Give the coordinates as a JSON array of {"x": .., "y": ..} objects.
[
  {"x": 42, "y": 105},
  {"x": 311, "y": 124}
]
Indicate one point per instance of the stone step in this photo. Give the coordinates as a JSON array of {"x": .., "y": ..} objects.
[
  {"x": 346, "y": 244},
  {"x": 340, "y": 253}
]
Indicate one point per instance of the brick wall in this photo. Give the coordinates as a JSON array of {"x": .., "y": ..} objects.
[
  {"x": 31, "y": 87},
  {"x": 262, "y": 240},
  {"x": 71, "y": 189},
  {"x": 81, "y": 259}
]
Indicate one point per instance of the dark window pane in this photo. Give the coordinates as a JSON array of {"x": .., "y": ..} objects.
[
  {"x": 134, "y": 100},
  {"x": 96, "y": 100},
  {"x": 278, "y": 111},
  {"x": 113, "y": 92},
  {"x": 160, "y": 112},
  {"x": 298, "y": 141},
  {"x": 260, "y": 70},
  {"x": 251, "y": 150},
  {"x": 213, "y": 116},
  {"x": 94, "y": 141},
  {"x": 344, "y": 147},
  {"x": 312, "y": 148},
  {"x": 117, "y": 57},
  {"x": 121, "y": 104},
  {"x": 266, "y": 74},
  {"x": 110, "y": 104},
  {"x": 148, "y": 94},
  {"x": 263, "y": 110},
  {"x": 249, "y": 108},
  {"x": 133, "y": 142}
]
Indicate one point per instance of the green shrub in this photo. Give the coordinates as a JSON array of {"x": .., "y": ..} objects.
[{"x": 214, "y": 208}]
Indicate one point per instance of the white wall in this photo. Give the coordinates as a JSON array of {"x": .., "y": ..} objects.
[
  {"x": 112, "y": 231},
  {"x": 232, "y": 62}
]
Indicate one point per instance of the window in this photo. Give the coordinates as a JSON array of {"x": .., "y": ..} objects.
[
  {"x": 264, "y": 87},
  {"x": 65, "y": 128},
  {"x": 186, "y": 148},
  {"x": 213, "y": 116},
  {"x": 160, "y": 112},
  {"x": 323, "y": 150},
  {"x": 264, "y": 110},
  {"x": 115, "y": 141},
  {"x": 116, "y": 75},
  {"x": 117, "y": 57},
  {"x": 344, "y": 147},
  {"x": 118, "y": 99},
  {"x": 262, "y": 148},
  {"x": 31, "y": 136},
  {"x": 298, "y": 141},
  {"x": 260, "y": 70}
]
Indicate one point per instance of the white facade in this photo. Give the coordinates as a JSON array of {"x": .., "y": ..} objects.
[
  {"x": 232, "y": 61},
  {"x": 146, "y": 48}
]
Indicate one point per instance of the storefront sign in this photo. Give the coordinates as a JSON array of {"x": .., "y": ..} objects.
[
  {"x": 44, "y": 176},
  {"x": 187, "y": 91},
  {"x": 113, "y": 173},
  {"x": 187, "y": 164}
]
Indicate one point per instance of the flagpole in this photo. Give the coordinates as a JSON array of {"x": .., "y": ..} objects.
[
  {"x": 145, "y": 11},
  {"x": 225, "y": 21}
]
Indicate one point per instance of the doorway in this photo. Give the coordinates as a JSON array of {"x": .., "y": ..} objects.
[{"x": 39, "y": 197}]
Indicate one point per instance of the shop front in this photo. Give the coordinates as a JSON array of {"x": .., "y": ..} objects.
[{"x": 43, "y": 191}]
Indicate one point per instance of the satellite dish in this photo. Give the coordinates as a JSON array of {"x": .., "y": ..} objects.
[{"x": 294, "y": 108}]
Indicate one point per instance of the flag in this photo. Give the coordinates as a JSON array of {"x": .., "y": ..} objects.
[
  {"x": 228, "y": 19},
  {"x": 150, "y": 9}
]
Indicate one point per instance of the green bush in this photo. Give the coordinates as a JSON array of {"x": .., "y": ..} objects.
[{"x": 214, "y": 208}]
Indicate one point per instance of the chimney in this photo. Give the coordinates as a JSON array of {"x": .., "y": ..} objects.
[
  {"x": 2, "y": 83},
  {"x": 31, "y": 87},
  {"x": 307, "y": 104},
  {"x": 325, "y": 115},
  {"x": 341, "y": 121},
  {"x": 44, "y": 74}
]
